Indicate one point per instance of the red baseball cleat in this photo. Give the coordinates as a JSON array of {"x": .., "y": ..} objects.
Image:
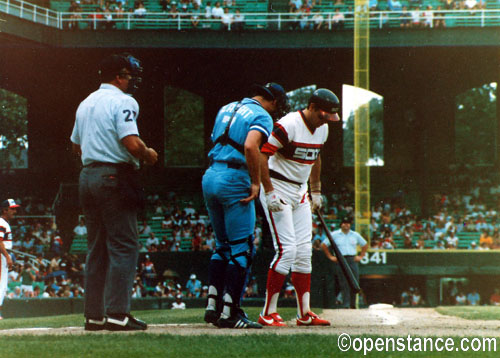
[
  {"x": 274, "y": 319},
  {"x": 312, "y": 319}
]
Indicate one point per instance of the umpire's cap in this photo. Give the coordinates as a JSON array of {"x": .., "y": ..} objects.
[
  {"x": 346, "y": 220},
  {"x": 273, "y": 91},
  {"x": 325, "y": 100}
]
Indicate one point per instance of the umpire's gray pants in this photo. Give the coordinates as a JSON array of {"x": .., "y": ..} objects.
[
  {"x": 112, "y": 243},
  {"x": 348, "y": 294}
]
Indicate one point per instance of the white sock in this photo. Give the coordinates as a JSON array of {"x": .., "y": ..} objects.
[
  {"x": 212, "y": 303},
  {"x": 228, "y": 302}
]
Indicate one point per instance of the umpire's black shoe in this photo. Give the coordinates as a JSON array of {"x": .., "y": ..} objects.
[
  {"x": 211, "y": 316},
  {"x": 125, "y": 323},
  {"x": 95, "y": 324},
  {"x": 237, "y": 321}
]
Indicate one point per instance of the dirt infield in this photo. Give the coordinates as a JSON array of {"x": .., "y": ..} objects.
[{"x": 377, "y": 320}]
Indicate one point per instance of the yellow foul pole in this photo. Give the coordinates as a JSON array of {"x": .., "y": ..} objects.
[{"x": 362, "y": 118}]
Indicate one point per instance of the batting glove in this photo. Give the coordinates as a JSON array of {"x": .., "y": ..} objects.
[
  {"x": 274, "y": 202},
  {"x": 317, "y": 201}
]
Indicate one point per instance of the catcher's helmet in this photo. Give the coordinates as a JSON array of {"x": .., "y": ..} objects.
[
  {"x": 273, "y": 91},
  {"x": 325, "y": 100},
  {"x": 114, "y": 65}
]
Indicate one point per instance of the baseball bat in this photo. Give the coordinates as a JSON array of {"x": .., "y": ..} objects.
[{"x": 346, "y": 269}]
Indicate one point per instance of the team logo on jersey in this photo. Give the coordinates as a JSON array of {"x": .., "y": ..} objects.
[{"x": 307, "y": 154}]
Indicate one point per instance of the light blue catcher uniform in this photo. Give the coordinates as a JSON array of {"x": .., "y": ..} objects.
[{"x": 225, "y": 183}]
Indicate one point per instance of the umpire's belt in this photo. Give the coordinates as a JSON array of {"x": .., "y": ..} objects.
[
  {"x": 232, "y": 165},
  {"x": 276, "y": 175},
  {"x": 123, "y": 166}
]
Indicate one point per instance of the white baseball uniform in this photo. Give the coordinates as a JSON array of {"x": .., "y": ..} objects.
[
  {"x": 293, "y": 148},
  {"x": 6, "y": 239}
]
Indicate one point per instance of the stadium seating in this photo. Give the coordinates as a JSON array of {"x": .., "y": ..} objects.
[{"x": 256, "y": 16}]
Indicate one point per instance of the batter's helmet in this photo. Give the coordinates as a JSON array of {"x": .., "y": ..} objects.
[
  {"x": 325, "y": 100},
  {"x": 273, "y": 91},
  {"x": 114, "y": 65}
]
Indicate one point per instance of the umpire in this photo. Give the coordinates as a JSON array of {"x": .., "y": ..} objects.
[
  {"x": 106, "y": 137},
  {"x": 230, "y": 186},
  {"x": 347, "y": 241}
]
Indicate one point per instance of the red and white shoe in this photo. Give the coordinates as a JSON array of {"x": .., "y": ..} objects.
[
  {"x": 312, "y": 319},
  {"x": 274, "y": 320}
]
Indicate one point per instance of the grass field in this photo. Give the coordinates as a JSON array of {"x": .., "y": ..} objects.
[
  {"x": 301, "y": 344},
  {"x": 471, "y": 312}
]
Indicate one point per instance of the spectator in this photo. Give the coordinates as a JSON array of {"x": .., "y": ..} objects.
[
  {"x": 193, "y": 286},
  {"x": 461, "y": 299},
  {"x": 49, "y": 292},
  {"x": 208, "y": 10},
  {"x": 148, "y": 272},
  {"x": 17, "y": 293},
  {"x": 416, "y": 298},
  {"x": 451, "y": 241},
  {"x": 484, "y": 247},
  {"x": 152, "y": 240},
  {"x": 140, "y": 11},
  {"x": 80, "y": 229},
  {"x": 439, "y": 245},
  {"x": 144, "y": 228},
  {"x": 495, "y": 297},
  {"x": 195, "y": 21},
  {"x": 405, "y": 299},
  {"x": 226, "y": 19},
  {"x": 294, "y": 22},
  {"x": 28, "y": 276},
  {"x": 415, "y": 17},
  {"x": 486, "y": 239},
  {"x": 119, "y": 10},
  {"x": 56, "y": 244},
  {"x": 297, "y": 4},
  {"x": 174, "y": 14},
  {"x": 394, "y": 5},
  {"x": 420, "y": 243},
  {"x": 318, "y": 21},
  {"x": 439, "y": 17},
  {"x": 428, "y": 17},
  {"x": 178, "y": 304},
  {"x": 473, "y": 298},
  {"x": 217, "y": 11},
  {"x": 238, "y": 21},
  {"x": 408, "y": 242},
  {"x": 165, "y": 6},
  {"x": 304, "y": 22},
  {"x": 75, "y": 16},
  {"x": 473, "y": 246},
  {"x": 196, "y": 242},
  {"x": 109, "y": 24}
]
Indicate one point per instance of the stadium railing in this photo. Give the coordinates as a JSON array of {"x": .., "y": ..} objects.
[{"x": 253, "y": 20}]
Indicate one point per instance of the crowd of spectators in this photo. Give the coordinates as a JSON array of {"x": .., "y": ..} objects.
[
  {"x": 302, "y": 14},
  {"x": 469, "y": 209},
  {"x": 183, "y": 227},
  {"x": 458, "y": 294},
  {"x": 62, "y": 276},
  {"x": 411, "y": 297}
]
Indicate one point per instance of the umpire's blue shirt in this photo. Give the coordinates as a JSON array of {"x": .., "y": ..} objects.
[
  {"x": 250, "y": 116},
  {"x": 347, "y": 243}
]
